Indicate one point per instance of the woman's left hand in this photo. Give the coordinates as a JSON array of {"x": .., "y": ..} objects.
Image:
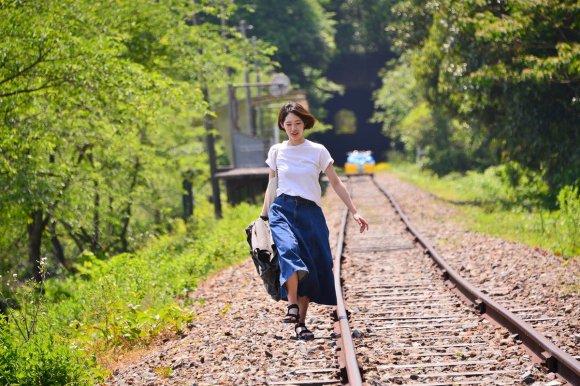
[{"x": 364, "y": 225}]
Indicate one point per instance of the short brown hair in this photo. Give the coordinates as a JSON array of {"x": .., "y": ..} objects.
[{"x": 296, "y": 109}]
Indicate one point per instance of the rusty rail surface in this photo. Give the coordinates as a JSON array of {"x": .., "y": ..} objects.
[
  {"x": 547, "y": 353},
  {"x": 350, "y": 370}
]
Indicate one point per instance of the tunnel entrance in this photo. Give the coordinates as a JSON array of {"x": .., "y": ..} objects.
[{"x": 358, "y": 73}]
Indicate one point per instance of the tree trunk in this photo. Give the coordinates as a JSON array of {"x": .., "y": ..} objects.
[
  {"x": 74, "y": 236},
  {"x": 187, "y": 199},
  {"x": 127, "y": 215},
  {"x": 96, "y": 221},
  {"x": 35, "y": 229},
  {"x": 59, "y": 250},
  {"x": 125, "y": 229},
  {"x": 215, "y": 187}
]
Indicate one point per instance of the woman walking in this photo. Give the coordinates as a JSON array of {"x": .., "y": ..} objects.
[{"x": 296, "y": 220}]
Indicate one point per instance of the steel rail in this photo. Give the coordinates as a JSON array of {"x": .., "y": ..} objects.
[
  {"x": 555, "y": 359},
  {"x": 351, "y": 372}
]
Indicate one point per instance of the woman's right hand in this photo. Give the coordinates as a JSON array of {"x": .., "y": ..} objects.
[{"x": 364, "y": 225}]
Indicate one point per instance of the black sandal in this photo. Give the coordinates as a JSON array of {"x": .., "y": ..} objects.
[
  {"x": 304, "y": 333},
  {"x": 290, "y": 317}
]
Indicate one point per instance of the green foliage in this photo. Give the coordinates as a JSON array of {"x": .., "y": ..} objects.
[
  {"x": 537, "y": 104},
  {"x": 441, "y": 144},
  {"x": 569, "y": 202},
  {"x": 398, "y": 95},
  {"x": 361, "y": 24},
  {"x": 120, "y": 303},
  {"x": 496, "y": 93},
  {"x": 96, "y": 135},
  {"x": 301, "y": 30},
  {"x": 521, "y": 186},
  {"x": 303, "y": 33},
  {"x": 102, "y": 110},
  {"x": 8, "y": 357},
  {"x": 410, "y": 23},
  {"x": 498, "y": 188},
  {"x": 49, "y": 361},
  {"x": 25, "y": 304},
  {"x": 32, "y": 353}
]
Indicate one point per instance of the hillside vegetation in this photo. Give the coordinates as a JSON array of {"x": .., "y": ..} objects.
[{"x": 490, "y": 204}]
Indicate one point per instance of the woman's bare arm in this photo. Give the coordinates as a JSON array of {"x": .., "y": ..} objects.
[
  {"x": 341, "y": 191},
  {"x": 265, "y": 208}
]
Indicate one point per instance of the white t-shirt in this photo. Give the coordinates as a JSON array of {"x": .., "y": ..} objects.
[{"x": 299, "y": 168}]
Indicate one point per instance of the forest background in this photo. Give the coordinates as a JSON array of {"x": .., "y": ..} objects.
[{"x": 106, "y": 109}]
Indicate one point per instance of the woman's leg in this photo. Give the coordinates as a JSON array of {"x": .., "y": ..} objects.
[
  {"x": 293, "y": 298},
  {"x": 302, "y": 332},
  {"x": 292, "y": 290},
  {"x": 303, "y": 302}
]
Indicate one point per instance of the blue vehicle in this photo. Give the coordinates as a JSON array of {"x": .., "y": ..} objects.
[{"x": 359, "y": 162}]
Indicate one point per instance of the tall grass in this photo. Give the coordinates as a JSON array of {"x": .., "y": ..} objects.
[
  {"x": 508, "y": 203},
  {"x": 83, "y": 321}
]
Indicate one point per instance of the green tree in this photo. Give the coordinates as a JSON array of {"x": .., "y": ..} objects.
[
  {"x": 301, "y": 30},
  {"x": 303, "y": 33},
  {"x": 97, "y": 104},
  {"x": 361, "y": 25},
  {"x": 410, "y": 22},
  {"x": 441, "y": 144},
  {"x": 507, "y": 70}
]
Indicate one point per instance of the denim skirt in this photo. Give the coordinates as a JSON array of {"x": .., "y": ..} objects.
[{"x": 300, "y": 233}]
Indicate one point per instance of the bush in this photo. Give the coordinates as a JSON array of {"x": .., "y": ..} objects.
[
  {"x": 396, "y": 157},
  {"x": 45, "y": 360},
  {"x": 8, "y": 357},
  {"x": 569, "y": 216},
  {"x": 116, "y": 304},
  {"x": 42, "y": 360},
  {"x": 522, "y": 186}
]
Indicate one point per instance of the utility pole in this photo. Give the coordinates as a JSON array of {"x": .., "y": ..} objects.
[
  {"x": 258, "y": 94},
  {"x": 215, "y": 187},
  {"x": 244, "y": 27}
]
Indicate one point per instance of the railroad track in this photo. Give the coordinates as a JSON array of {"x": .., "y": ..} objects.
[
  {"x": 419, "y": 323},
  {"x": 414, "y": 321}
]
